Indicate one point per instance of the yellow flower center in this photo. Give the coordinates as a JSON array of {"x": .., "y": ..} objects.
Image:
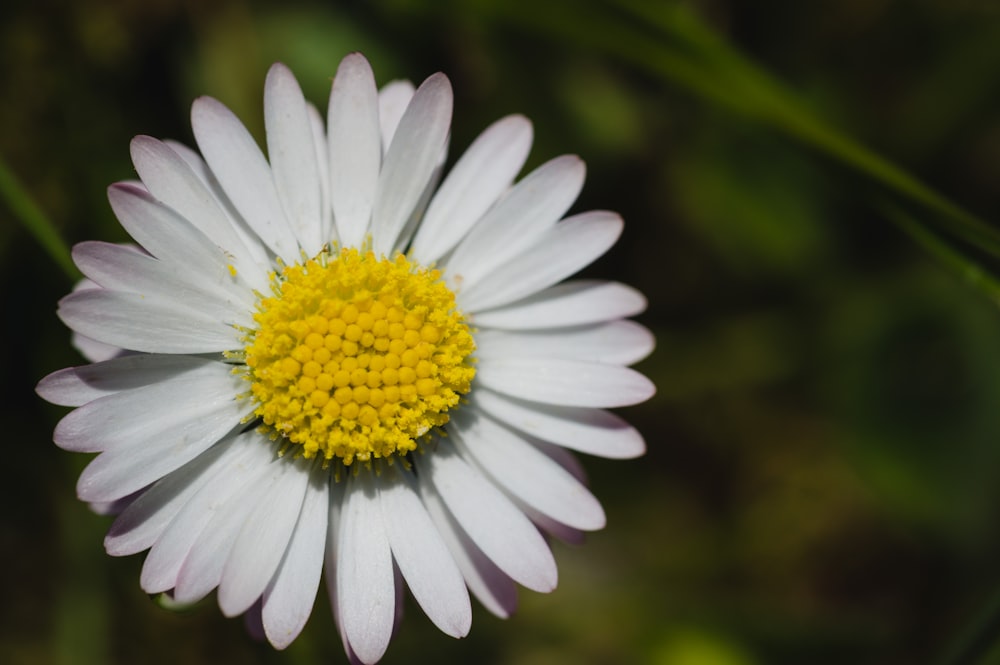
[{"x": 357, "y": 357}]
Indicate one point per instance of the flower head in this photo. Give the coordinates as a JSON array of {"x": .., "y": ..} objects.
[{"x": 324, "y": 360}]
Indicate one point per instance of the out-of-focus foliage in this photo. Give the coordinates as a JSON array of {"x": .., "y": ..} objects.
[{"x": 824, "y": 449}]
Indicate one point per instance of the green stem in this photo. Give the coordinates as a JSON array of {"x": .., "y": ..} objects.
[
  {"x": 35, "y": 221},
  {"x": 973, "y": 273}
]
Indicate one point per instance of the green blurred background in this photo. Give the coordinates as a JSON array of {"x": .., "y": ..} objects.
[{"x": 821, "y": 481}]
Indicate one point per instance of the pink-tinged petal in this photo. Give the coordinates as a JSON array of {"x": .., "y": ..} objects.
[
  {"x": 239, "y": 165},
  {"x": 490, "y": 585},
  {"x": 495, "y": 524},
  {"x": 146, "y": 518},
  {"x": 564, "y": 382},
  {"x": 260, "y": 545},
  {"x": 118, "y": 268},
  {"x": 289, "y": 597},
  {"x": 393, "y": 99},
  {"x": 139, "y": 417},
  {"x": 171, "y": 180},
  {"x": 572, "y": 303},
  {"x": 525, "y": 473},
  {"x": 75, "y": 386},
  {"x": 411, "y": 160},
  {"x": 477, "y": 180},
  {"x": 355, "y": 148},
  {"x": 146, "y": 323},
  {"x": 564, "y": 249},
  {"x": 174, "y": 240},
  {"x": 366, "y": 595},
  {"x": 587, "y": 430},
  {"x": 205, "y": 563},
  {"x": 517, "y": 220},
  {"x": 614, "y": 343},
  {"x": 292, "y": 153},
  {"x": 422, "y": 557},
  {"x": 245, "y": 464}
]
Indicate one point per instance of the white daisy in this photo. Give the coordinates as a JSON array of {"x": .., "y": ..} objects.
[{"x": 328, "y": 362}]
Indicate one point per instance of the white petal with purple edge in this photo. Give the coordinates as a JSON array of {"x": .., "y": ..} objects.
[
  {"x": 476, "y": 181},
  {"x": 422, "y": 556},
  {"x": 572, "y": 303},
  {"x": 355, "y": 148},
  {"x": 526, "y": 473},
  {"x": 495, "y": 524},
  {"x": 564, "y": 382}
]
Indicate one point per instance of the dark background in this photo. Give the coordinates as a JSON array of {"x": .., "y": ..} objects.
[{"x": 820, "y": 485}]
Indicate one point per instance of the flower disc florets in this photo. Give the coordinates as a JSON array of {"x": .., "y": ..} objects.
[{"x": 356, "y": 357}]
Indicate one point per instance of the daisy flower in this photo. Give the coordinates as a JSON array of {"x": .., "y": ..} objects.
[{"x": 324, "y": 363}]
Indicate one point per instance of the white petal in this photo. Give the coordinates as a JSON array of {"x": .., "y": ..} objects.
[
  {"x": 365, "y": 587},
  {"x": 289, "y": 598},
  {"x": 246, "y": 463},
  {"x": 145, "y": 519},
  {"x": 393, "y": 99},
  {"x": 145, "y": 323},
  {"x": 565, "y": 533},
  {"x": 526, "y": 473},
  {"x": 355, "y": 148},
  {"x": 203, "y": 567},
  {"x": 422, "y": 556},
  {"x": 517, "y": 220},
  {"x": 251, "y": 240},
  {"x": 173, "y": 239},
  {"x": 118, "y": 268},
  {"x": 564, "y": 249},
  {"x": 132, "y": 465},
  {"x": 477, "y": 180},
  {"x": 261, "y": 543},
  {"x": 75, "y": 386},
  {"x": 494, "y": 589},
  {"x": 292, "y": 153},
  {"x": 411, "y": 160},
  {"x": 327, "y": 232},
  {"x": 497, "y": 527},
  {"x": 138, "y": 417},
  {"x": 170, "y": 179},
  {"x": 564, "y": 382},
  {"x": 573, "y": 303},
  {"x": 244, "y": 174},
  {"x": 614, "y": 343}
]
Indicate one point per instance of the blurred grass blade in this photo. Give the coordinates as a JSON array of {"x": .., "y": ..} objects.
[
  {"x": 971, "y": 272},
  {"x": 33, "y": 219},
  {"x": 758, "y": 94}
]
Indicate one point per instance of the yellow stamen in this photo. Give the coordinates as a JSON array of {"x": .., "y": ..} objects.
[{"x": 356, "y": 357}]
